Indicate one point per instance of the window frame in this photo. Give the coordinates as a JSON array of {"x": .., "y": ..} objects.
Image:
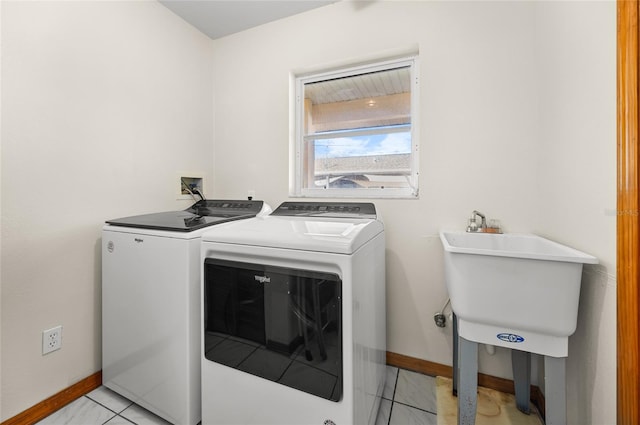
[{"x": 298, "y": 168}]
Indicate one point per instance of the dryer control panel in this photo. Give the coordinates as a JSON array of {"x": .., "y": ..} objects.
[{"x": 327, "y": 209}]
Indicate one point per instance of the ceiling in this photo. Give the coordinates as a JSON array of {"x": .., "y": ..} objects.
[{"x": 218, "y": 18}]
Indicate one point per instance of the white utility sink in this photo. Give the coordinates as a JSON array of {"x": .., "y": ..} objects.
[{"x": 514, "y": 290}]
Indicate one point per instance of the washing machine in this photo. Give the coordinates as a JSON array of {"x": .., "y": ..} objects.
[
  {"x": 151, "y": 305},
  {"x": 293, "y": 310}
]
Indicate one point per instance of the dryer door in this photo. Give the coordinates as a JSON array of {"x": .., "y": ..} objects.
[{"x": 278, "y": 323}]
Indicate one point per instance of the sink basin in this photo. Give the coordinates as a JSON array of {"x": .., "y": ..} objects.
[{"x": 515, "y": 290}]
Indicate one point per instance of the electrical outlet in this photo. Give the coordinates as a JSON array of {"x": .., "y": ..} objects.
[{"x": 51, "y": 340}]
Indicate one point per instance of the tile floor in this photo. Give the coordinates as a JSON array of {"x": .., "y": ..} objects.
[{"x": 409, "y": 398}]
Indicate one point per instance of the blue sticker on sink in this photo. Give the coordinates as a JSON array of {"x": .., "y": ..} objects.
[{"x": 510, "y": 338}]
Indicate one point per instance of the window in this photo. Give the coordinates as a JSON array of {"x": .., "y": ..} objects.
[{"x": 355, "y": 136}]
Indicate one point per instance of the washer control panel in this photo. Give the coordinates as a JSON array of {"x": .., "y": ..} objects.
[
  {"x": 327, "y": 209},
  {"x": 213, "y": 207}
]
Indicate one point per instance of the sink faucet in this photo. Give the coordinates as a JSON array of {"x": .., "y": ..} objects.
[
  {"x": 483, "y": 224},
  {"x": 475, "y": 227}
]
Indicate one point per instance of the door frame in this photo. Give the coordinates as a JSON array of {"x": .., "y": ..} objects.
[{"x": 628, "y": 212}]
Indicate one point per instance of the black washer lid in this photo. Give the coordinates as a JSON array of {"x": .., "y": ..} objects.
[{"x": 199, "y": 215}]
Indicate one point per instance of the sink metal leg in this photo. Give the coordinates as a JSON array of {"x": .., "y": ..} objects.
[
  {"x": 521, "y": 365},
  {"x": 555, "y": 391},
  {"x": 468, "y": 389},
  {"x": 456, "y": 372}
]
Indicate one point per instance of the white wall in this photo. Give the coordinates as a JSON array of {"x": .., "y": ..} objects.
[
  {"x": 576, "y": 50},
  {"x": 0, "y": 216},
  {"x": 512, "y": 118},
  {"x": 103, "y": 105}
]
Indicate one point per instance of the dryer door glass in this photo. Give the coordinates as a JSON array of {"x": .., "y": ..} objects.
[{"x": 277, "y": 323}]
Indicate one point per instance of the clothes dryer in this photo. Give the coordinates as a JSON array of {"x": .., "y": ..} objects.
[
  {"x": 293, "y": 309},
  {"x": 151, "y": 305}
]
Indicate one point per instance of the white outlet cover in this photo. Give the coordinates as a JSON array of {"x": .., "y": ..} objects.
[{"x": 51, "y": 340}]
